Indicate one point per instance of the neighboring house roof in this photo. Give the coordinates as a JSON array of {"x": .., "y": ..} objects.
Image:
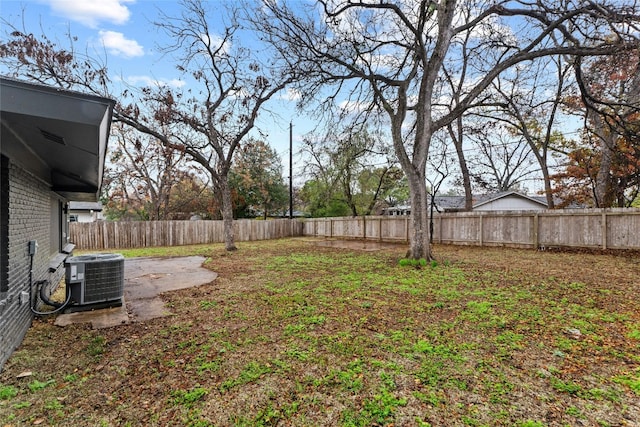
[
  {"x": 296, "y": 214},
  {"x": 60, "y": 136},
  {"x": 453, "y": 203},
  {"x": 488, "y": 198},
  {"x": 449, "y": 203},
  {"x": 85, "y": 206},
  {"x": 456, "y": 203}
]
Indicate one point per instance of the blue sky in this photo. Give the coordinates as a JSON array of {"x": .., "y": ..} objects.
[{"x": 122, "y": 31}]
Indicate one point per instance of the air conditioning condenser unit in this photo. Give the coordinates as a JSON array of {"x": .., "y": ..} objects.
[{"x": 95, "y": 279}]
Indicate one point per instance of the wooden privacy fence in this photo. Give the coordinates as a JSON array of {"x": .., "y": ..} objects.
[
  {"x": 137, "y": 234},
  {"x": 579, "y": 228}
]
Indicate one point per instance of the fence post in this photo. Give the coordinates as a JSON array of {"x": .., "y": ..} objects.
[
  {"x": 604, "y": 230},
  {"x": 406, "y": 229},
  {"x": 364, "y": 227},
  {"x": 481, "y": 230},
  {"x": 536, "y": 241}
]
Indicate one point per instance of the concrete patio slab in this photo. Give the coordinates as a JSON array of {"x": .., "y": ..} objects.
[{"x": 144, "y": 280}]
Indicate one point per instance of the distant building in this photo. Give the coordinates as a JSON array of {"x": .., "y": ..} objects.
[
  {"x": 85, "y": 211},
  {"x": 399, "y": 210},
  {"x": 504, "y": 201},
  {"x": 296, "y": 214}
]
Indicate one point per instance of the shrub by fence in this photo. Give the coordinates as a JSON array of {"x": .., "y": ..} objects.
[
  {"x": 137, "y": 234},
  {"x": 580, "y": 228}
]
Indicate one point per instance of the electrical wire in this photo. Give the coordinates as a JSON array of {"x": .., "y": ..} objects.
[
  {"x": 41, "y": 293},
  {"x": 48, "y": 302}
]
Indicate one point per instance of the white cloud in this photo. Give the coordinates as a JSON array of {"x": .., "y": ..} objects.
[
  {"x": 291, "y": 95},
  {"x": 216, "y": 42},
  {"x": 92, "y": 12},
  {"x": 117, "y": 44},
  {"x": 150, "y": 81},
  {"x": 351, "y": 106}
]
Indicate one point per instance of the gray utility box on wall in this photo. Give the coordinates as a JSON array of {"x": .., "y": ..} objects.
[{"x": 94, "y": 279}]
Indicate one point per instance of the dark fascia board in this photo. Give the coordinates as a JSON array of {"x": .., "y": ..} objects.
[{"x": 41, "y": 110}]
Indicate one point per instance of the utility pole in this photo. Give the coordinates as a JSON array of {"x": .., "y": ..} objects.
[{"x": 290, "y": 170}]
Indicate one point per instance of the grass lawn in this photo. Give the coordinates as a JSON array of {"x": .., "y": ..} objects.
[{"x": 294, "y": 334}]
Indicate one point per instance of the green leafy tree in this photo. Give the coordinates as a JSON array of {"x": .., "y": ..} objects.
[
  {"x": 321, "y": 201},
  {"x": 382, "y": 186},
  {"x": 257, "y": 178},
  {"x": 351, "y": 168}
]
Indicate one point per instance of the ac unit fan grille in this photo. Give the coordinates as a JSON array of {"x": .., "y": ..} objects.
[
  {"x": 104, "y": 281},
  {"x": 95, "y": 279}
]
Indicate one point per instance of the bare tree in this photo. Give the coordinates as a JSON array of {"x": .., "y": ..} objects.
[
  {"x": 233, "y": 84},
  {"x": 503, "y": 160},
  {"x": 529, "y": 102},
  {"x": 603, "y": 167},
  {"x": 440, "y": 163},
  {"x": 610, "y": 103},
  {"x": 230, "y": 84},
  {"x": 456, "y": 131},
  {"x": 142, "y": 173},
  {"x": 391, "y": 57}
]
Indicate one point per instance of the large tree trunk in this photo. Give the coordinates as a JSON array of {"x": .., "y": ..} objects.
[
  {"x": 415, "y": 171},
  {"x": 466, "y": 180},
  {"x": 603, "y": 190},
  {"x": 227, "y": 215},
  {"x": 548, "y": 190},
  {"x": 420, "y": 241},
  {"x": 603, "y": 186}
]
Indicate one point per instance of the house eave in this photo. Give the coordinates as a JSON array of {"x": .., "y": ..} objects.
[{"x": 57, "y": 135}]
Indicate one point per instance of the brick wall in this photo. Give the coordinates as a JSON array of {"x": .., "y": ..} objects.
[{"x": 29, "y": 212}]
